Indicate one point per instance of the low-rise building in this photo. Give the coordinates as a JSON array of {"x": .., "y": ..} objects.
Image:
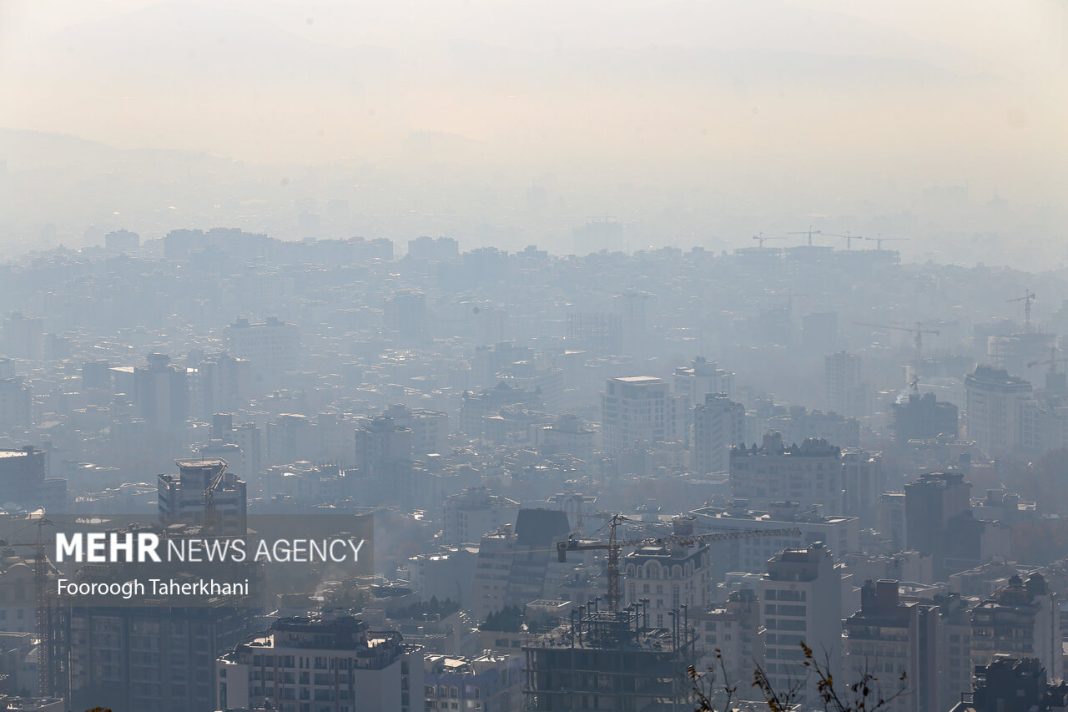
[{"x": 490, "y": 682}]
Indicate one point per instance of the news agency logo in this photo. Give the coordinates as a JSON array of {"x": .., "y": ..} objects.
[{"x": 148, "y": 547}]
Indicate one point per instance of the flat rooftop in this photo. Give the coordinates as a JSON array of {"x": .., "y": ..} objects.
[{"x": 16, "y": 453}]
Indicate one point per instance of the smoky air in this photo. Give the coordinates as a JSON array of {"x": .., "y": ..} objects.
[{"x": 493, "y": 356}]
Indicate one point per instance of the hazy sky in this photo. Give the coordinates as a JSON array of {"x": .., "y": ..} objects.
[{"x": 644, "y": 111}]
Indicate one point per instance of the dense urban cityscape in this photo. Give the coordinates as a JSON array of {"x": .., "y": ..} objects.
[
  {"x": 509, "y": 356},
  {"x": 585, "y": 474}
]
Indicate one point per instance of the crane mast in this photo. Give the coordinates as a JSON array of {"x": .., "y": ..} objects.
[
  {"x": 43, "y": 626},
  {"x": 1027, "y": 299},
  {"x": 44, "y": 613},
  {"x": 880, "y": 240},
  {"x": 848, "y": 237},
  {"x": 808, "y": 234}
]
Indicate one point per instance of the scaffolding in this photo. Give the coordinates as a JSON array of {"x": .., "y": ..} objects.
[{"x": 611, "y": 660}]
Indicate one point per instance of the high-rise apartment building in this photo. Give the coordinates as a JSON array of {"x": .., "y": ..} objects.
[
  {"x": 897, "y": 641},
  {"x": 474, "y": 512},
  {"x": 801, "y": 596},
  {"x": 939, "y": 522},
  {"x": 955, "y": 652},
  {"x": 863, "y": 483},
  {"x": 430, "y": 428},
  {"x": 223, "y": 384},
  {"x": 635, "y": 413},
  {"x": 691, "y": 385},
  {"x": 514, "y": 562},
  {"x": 701, "y": 378},
  {"x": 132, "y": 658},
  {"x": 846, "y": 391},
  {"x": 322, "y": 663},
  {"x": 161, "y": 393},
  {"x": 809, "y": 474},
  {"x": 272, "y": 346},
  {"x": 922, "y": 417},
  {"x": 381, "y": 445},
  {"x": 1021, "y": 620},
  {"x": 203, "y": 493},
  {"x": 997, "y": 413},
  {"x": 732, "y": 629},
  {"x": 719, "y": 424}
]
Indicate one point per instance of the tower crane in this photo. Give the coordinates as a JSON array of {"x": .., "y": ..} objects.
[
  {"x": 880, "y": 240},
  {"x": 209, "y": 497},
  {"x": 848, "y": 237},
  {"x": 614, "y": 547},
  {"x": 43, "y": 611},
  {"x": 808, "y": 233},
  {"x": 761, "y": 239},
  {"x": 210, "y": 518},
  {"x": 1052, "y": 361},
  {"x": 1027, "y": 299},
  {"x": 917, "y": 333}
]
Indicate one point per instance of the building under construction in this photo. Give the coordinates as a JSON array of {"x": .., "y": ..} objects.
[{"x": 611, "y": 660}]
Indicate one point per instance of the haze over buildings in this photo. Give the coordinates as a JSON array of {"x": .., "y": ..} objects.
[
  {"x": 610, "y": 340},
  {"x": 507, "y": 124}
]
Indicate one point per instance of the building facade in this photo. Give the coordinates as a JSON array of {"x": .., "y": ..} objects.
[
  {"x": 322, "y": 664},
  {"x": 718, "y": 425},
  {"x": 809, "y": 474},
  {"x": 801, "y": 596},
  {"x": 635, "y": 413}
]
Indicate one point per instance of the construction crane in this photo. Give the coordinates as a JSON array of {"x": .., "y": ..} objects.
[
  {"x": 848, "y": 237},
  {"x": 880, "y": 240},
  {"x": 761, "y": 239},
  {"x": 209, "y": 497},
  {"x": 1027, "y": 299},
  {"x": 43, "y": 611},
  {"x": 917, "y": 333},
  {"x": 614, "y": 547},
  {"x": 1052, "y": 361},
  {"x": 808, "y": 233}
]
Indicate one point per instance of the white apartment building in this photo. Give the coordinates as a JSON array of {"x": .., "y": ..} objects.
[
  {"x": 809, "y": 473},
  {"x": 668, "y": 576},
  {"x": 801, "y": 595},
  {"x": 998, "y": 411},
  {"x": 474, "y": 512},
  {"x": 635, "y": 413},
  {"x": 272, "y": 346},
  {"x": 719, "y": 423}
]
